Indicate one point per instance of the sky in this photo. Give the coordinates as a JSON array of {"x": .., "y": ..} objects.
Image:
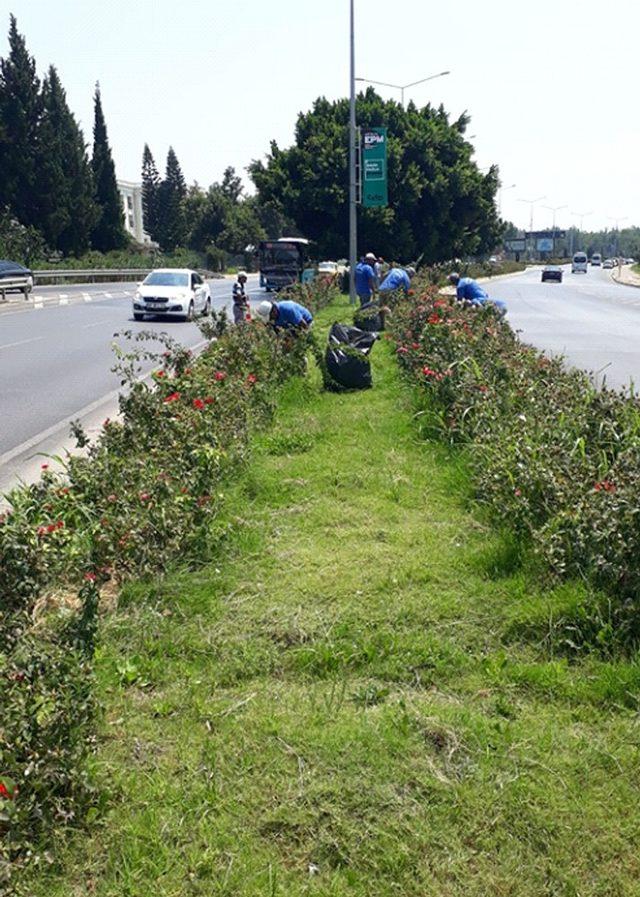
[{"x": 551, "y": 86}]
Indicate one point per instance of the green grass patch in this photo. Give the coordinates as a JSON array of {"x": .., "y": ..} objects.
[{"x": 362, "y": 697}]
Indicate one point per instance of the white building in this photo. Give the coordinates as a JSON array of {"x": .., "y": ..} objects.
[{"x": 131, "y": 195}]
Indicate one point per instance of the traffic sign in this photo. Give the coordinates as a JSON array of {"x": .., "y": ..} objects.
[{"x": 374, "y": 168}]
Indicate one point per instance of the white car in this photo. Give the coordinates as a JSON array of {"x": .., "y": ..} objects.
[
  {"x": 174, "y": 292},
  {"x": 579, "y": 263}
]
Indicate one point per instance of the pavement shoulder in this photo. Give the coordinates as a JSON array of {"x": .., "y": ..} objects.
[{"x": 626, "y": 276}]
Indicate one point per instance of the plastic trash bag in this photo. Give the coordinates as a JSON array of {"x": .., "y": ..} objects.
[
  {"x": 346, "y": 359},
  {"x": 369, "y": 317}
]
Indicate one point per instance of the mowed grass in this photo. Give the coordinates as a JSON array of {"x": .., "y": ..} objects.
[{"x": 362, "y": 697}]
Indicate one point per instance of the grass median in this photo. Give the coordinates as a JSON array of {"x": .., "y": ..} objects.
[{"x": 350, "y": 700}]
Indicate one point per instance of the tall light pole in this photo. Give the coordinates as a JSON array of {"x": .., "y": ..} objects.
[
  {"x": 500, "y": 192},
  {"x": 403, "y": 87},
  {"x": 532, "y": 203},
  {"x": 353, "y": 215},
  {"x": 555, "y": 209},
  {"x": 617, "y": 224},
  {"x": 581, "y": 216}
]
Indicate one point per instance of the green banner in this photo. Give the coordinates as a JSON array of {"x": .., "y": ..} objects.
[{"x": 374, "y": 167}]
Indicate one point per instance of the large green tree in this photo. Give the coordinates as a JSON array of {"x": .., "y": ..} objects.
[
  {"x": 172, "y": 193},
  {"x": 20, "y": 114},
  {"x": 109, "y": 232},
  {"x": 441, "y": 204},
  {"x": 67, "y": 208},
  {"x": 150, "y": 193}
]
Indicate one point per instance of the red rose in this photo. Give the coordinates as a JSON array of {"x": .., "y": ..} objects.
[
  {"x": 89, "y": 577},
  {"x": 159, "y": 374},
  {"x": 5, "y": 793},
  {"x": 173, "y": 397},
  {"x": 144, "y": 496},
  {"x": 44, "y": 467},
  {"x": 219, "y": 376},
  {"x": 209, "y": 400},
  {"x": 198, "y": 403},
  {"x": 251, "y": 379}
]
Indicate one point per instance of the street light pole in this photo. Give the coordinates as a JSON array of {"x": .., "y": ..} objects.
[
  {"x": 554, "y": 209},
  {"x": 617, "y": 221},
  {"x": 403, "y": 87},
  {"x": 353, "y": 216},
  {"x": 500, "y": 192},
  {"x": 532, "y": 203},
  {"x": 581, "y": 216}
]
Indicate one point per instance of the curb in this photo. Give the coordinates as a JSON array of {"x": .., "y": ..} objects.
[{"x": 623, "y": 283}]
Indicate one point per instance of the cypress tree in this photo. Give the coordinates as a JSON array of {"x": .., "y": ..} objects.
[
  {"x": 109, "y": 232},
  {"x": 150, "y": 191},
  {"x": 172, "y": 223},
  {"x": 20, "y": 112},
  {"x": 68, "y": 209}
]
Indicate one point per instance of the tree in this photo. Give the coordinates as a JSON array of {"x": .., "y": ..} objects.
[
  {"x": 20, "y": 112},
  {"x": 150, "y": 191},
  {"x": 65, "y": 184},
  {"x": 108, "y": 232},
  {"x": 172, "y": 222},
  {"x": 441, "y": 206},
  {"x": 231, "y": 185},
  {"x": 24, "y": 244}
]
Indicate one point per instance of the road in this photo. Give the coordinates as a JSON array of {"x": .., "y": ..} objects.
[
  {"x": 55, "y": 365},
  {"x": 591, "y": 320}
]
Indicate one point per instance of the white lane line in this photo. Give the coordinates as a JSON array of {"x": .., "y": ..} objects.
[
  {"x": 98, "y": 324},
  {"x": 78, "y": 415},
  {"x": 86, "y": 297},
  {"x": 38, "y": 305},
  {"x": 64, "y": 302},
  {"x": 22, "y": 342},
  {"x": 63, "y": 296},
  {"x": 109, "y": 295}
]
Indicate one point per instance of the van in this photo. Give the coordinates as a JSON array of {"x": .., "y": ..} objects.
[
  {"x": 579, "y": 263},
  {"x": 596, "y": 259}
]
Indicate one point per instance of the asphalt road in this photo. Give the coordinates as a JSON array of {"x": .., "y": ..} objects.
[
  {"x": 55, "y": 363},
  {"x": 591, "y": 320}
]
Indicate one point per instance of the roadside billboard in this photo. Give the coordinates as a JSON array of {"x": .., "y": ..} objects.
[
  {"x": 517, "y": 245},
  {"x": 545, "y": 244}
]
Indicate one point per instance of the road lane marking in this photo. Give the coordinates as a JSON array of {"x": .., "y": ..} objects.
[
  {"x": 38, "y": 305},
  {"x": 87, "y": 297},
  {"x": 98, "y": 323},
  {"x": 77, "y": 415},
  {"x": 64, "y": 302},
  {"x": 22, "y": 342},
  {"x": 63, "y": 296},
  {"x": 109, "y": 295}
]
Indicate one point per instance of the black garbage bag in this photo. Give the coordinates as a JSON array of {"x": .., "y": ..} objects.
[
  {"x": 346, "y": 359},
  {"x": 369, "y": 317}
]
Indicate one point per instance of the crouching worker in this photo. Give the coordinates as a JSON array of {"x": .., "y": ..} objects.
[
  {"x": 285, "y": 315},
  {"x": 240, "y": 299},
  {"x": 398, "y": 279},
  {"x": 470, "y": 291}
]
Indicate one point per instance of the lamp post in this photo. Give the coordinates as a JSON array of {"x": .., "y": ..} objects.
[
  {"x": 532, "y": 203},
  {"x": 353, "y": 217},
  {"x": 403, "y": 87},
  {"x": 555, "y": 209},
  {"x": 617, "y": 223},
  {"x": 581, "y": 216},
  {"x": 500, "y": 192}
]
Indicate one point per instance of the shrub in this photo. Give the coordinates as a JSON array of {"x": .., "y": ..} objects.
[{"x": 553, "y": 458}]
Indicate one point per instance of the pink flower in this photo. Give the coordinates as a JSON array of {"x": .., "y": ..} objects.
[
  {"x": 251, "y": 379},
  {"x": 44, "y": 467},
  {"x": 89, "y": 577},
  {"x": 219, "y": 376}
]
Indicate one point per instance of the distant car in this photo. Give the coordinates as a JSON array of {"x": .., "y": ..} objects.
[
  {"x": 579, "y": 263},
  {"x": 608, "y": 263},
  {"x": 552, "y": 272},
  {"x": 18, "y": 273},
  {"x": 328, "y": 271},
  {"x": 596, "y": 259},
  {"x": 629, "y": 261},
  {"x": 175, "y": 292}
]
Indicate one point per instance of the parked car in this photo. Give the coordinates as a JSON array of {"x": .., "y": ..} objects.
[
  {"x": 328, "y": 271},
  {"x": 175, "y": 292},
  {"x": 608, "y": 263},
  {"x": 18, "y": 273},
  {"x": 552, "y": 272},
  {"x": 596, "y": 259},
  {"x": 579, "y": 263}
]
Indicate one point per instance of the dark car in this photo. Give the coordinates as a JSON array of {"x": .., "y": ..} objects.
[
  {"x": 552, "y": 272},
  {"x": 18, "y": 273}
]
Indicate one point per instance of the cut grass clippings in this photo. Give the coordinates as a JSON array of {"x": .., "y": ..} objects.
[{"x": 359, "y": 698}]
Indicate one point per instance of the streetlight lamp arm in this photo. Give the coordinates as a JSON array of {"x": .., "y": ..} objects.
[
  {"x": 381, "y": 83},
  {"x": 422, "y": 80}
]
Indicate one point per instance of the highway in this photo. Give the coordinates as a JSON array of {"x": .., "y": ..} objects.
[
  {"x": 55, "y": 365},
  {"x": 591, "y": 320}
]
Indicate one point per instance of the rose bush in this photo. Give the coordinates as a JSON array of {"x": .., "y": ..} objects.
[
  {"x": 553, "y": 458},
  {"x": 142, "y": 497}
]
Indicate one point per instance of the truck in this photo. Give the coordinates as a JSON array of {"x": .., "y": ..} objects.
[{"x": 282, "y": 262}]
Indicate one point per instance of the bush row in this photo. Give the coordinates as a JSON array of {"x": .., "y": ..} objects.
[
  {"x": 554, "y": 458},
  {"x": 144, "y": 496}
]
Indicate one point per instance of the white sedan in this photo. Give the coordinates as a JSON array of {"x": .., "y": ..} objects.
[{"x": 175, "y": 292}]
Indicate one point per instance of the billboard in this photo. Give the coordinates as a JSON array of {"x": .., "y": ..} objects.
[
  {"x": 374, "y": 168},
  {"x": 518, "y": 245},
  {"x": 545, "y": 244}
]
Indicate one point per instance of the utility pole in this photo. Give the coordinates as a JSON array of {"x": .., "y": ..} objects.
[
  {"x": 617, "y": 226},
  {"x": 531, "y": 203},
  {"x": 353, "y": 212},
  {"x": 581, "y": 216},
  {"x": 554, "y": 209}
]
